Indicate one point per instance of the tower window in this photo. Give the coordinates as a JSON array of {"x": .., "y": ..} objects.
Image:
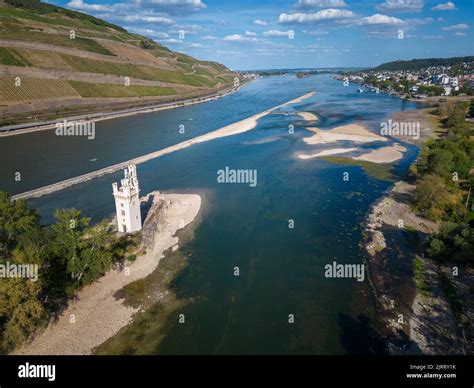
[
  {"x": 123, "y": 212},
  {"x": 121, "y": 204}
]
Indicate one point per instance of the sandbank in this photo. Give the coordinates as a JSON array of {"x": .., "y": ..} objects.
[
  {"x": 334, "y": 151},
  {"x": 383, "y": 155},
  {"x": 352, "y": 132}
]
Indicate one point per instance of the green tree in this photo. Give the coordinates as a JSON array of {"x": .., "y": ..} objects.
[
  {"x": 20, "y": 309},
  {"x": 16, "y": 219},
  {"x": 22, "y": 241},
  {"x": 445, "y": 109},
  {"x": 68, "y": 254},
  {"x": 436, "y": 201},
  {"x": 453, "y": 242},
  {"x": 457, "y": 118},
  {"x": 95, "y": 256}
]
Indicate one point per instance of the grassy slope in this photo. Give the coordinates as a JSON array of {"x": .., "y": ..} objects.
[
  {"x": 86, "y": 89},
  {"x": 35, "y": 22}
]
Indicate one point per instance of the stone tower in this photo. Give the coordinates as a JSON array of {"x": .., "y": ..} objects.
[{"x": 127, "y": 202}]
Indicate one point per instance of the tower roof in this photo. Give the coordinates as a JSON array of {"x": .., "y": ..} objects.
[{"x": 128, "y": 185}]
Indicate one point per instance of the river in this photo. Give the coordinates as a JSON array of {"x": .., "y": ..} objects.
[{"x": 281, "y": 268}]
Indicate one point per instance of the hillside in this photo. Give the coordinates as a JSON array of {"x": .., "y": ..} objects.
[
  {"x": 54, "y": 61},
  {"x": 418, "y": 64}
]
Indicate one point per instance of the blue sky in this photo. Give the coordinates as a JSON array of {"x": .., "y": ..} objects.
[{"x": 263, "y": 34}]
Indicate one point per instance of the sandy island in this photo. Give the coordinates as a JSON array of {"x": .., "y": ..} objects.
[
  {"x": 383, "y": 155},
  {"x": 357, "y": 134},
  {"x": 352, "y": 132},
  {"x": 333, "y": 151},
  {"x": 98, "y": 314},
  {"x": 308, "y": 116}
]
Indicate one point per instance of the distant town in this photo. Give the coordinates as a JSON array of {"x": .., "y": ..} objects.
[
  {"x": 420, "y": 78},
  {"x": 452, "y": 79}
]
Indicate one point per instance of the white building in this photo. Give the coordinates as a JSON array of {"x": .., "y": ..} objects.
[
  {"x": 127, "y": 202},
  {"x": 447, "y": 90},
  {"x": 444, "y": 79}
]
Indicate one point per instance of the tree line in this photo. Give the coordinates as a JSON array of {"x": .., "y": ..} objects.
[
  {"x": 444, "y": 193},
  {"x": 69, "y": 254},
  {"x": 420, "y": 64}
]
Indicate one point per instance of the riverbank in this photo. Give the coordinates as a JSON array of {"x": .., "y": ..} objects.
[
  {"x": 97, "y": 313},
  {"x": 392, "y": 219},
  {"x": 416, "y": 313},
  {"x": 13, "y": 130},
  {"x": 422, "y": 304},
  {"x": 431, "y": 100},
  {"x": 229, "y": 130}
]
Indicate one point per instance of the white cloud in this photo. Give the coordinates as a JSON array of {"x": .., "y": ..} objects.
[
  {"x": 148, "y": 32},
  {"x": 315, "y": 33},
  {"x": 228, "y": 52},
  {"x": 461, "y": 26},
  {"x": 276, "y": 33},
  {"x": 401, "y": 5},
  {"x": 240, "y": 38},
  {"x": 460, "y": 34},
  {"x": 80, "y": 5},
  {"x": 380, "y": 19},
  {"x": 250, "y": 33},
  {"x": 195, "y": 45},
  {"x": 209, "y": 37},
  {"x": 188, "y": 29},
  {"x": 122, "y": 12},
  {"x": 259, "y": 22},
  {"x": 382, "y": 34},
  {"x": 171, "y": 41},
  {"x": 319, "y": 47},
  {"x": 385, "y": 21},
  {"x": 449, "y": 6},
  {"x": 418, "y": 22},
  {"x": 325, "y": 14},
  {"x": 146, "y": 18},
  {"x": 320, "y": 3},
  {"x": 430, "y": 37},
  {"x": 220, "y": 22},
  {"x": 140, "y": 6},
  {"x": 174, "y": 6}
]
